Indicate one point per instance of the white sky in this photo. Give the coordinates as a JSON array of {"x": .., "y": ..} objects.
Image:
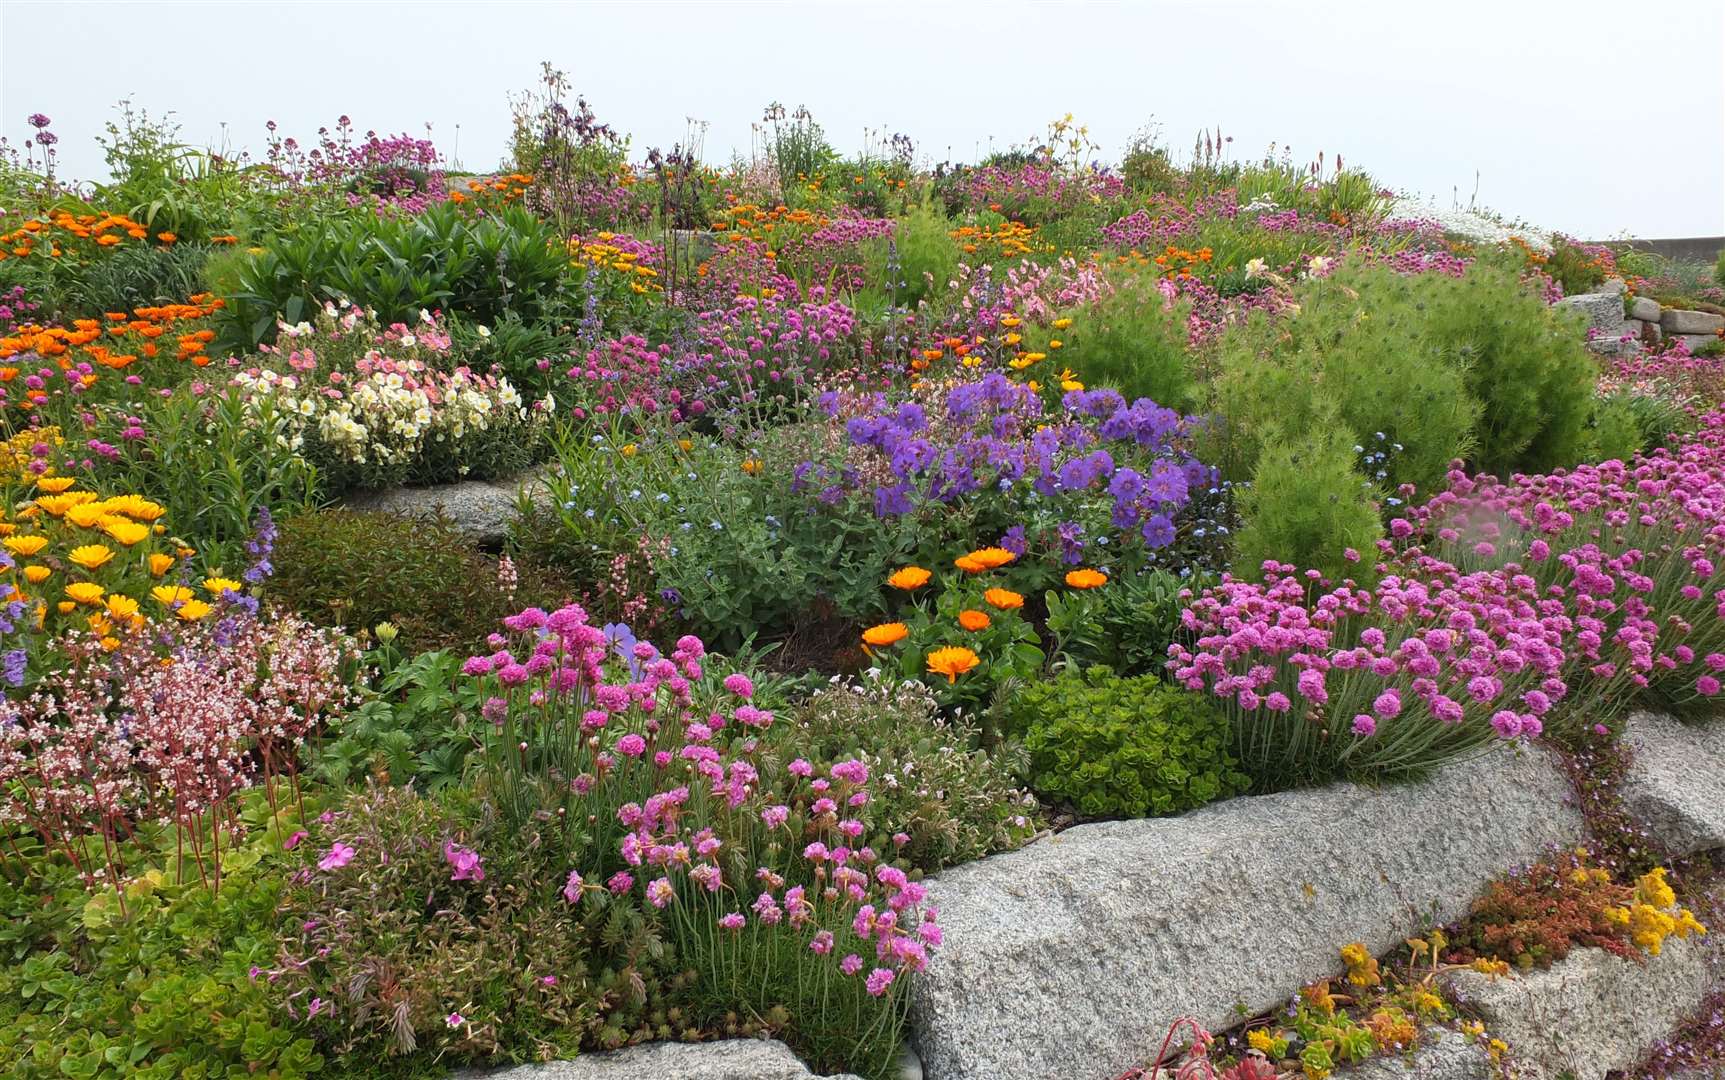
[{"x": 1591, "y": 116}]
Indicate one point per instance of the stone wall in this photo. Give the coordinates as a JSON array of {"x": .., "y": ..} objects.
[{"x": 1614, "y": 331}]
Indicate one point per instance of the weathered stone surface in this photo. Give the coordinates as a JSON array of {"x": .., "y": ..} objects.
[
  {"x": 1070, "y": 957},
  {"x": 1592, "y": 1013},
  {"x": 1624, "y": 343},
  {"x": 1651, "y": 333},
  {"x": 731, "y": 1059},
  {"x": 1613, "y": 286},
  {"x": 1696, "y": 341},
  {"x": 1676, "y": 780},
  {"x": 1450, "y": 1056},
  {"x": 480, "y": 509},
  {"x": 1604, "y": 311},
  {"x": 1644, "y": 308},
  {"x": 1681, "y": 321}
]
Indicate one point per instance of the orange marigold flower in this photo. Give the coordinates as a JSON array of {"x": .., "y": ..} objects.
[
  {"x": 885, "y": 634},
  {"x": 973, "y": 620},
  {"x": 910, "y": 577},
  {"x": 970, "y": 564},
  {"x": 1086, "y": 579},
  {"x": 1004, "y": 599},
  {"x": 952, "y": 662}
]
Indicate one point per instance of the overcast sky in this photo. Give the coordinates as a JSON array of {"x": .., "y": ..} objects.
[{"x": 1589, "y": 116}]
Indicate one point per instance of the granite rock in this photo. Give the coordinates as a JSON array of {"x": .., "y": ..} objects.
[
  {"x": 730, "y": 1059},
  {"x": 1070, "y": 957},
  {"x": 1682, "y": 321},
  {"x": 1448, "y": 1056},
  {"x": 480, "y": 510},
  {"x": 1644, "y": 308},
  {"x": 1675, "y": 783}
]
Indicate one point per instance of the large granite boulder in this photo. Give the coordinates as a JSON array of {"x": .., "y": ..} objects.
[
  {"x": 480, "y": 510},
  {"x": 1592, "y": 1013},
  {"x": 1442, "y": 1055},
  {"x": 730, "y": 1059},
  {"x": 1683, "y": 321},
  {"x": 1675, "y": 784},
  {"x": 1070, "y": 957},
  {"x": 1603, "y": 311}
]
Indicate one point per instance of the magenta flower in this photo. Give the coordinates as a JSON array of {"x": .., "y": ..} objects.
[
  {"x": 878, "y": 981},
  {"x": 339, "y": 855},
  {"x": 293, "y": 841},
  {"x": 851, "y": 964},
  {"x": 455, "y": 1019},
  {"x": 463, "y": 862},
  {"x": 1365, "y": 725},
  {"x": 572, "y": 887},
  {"x": 660, "y": 892},
  {"x": 732, "y": 921}
]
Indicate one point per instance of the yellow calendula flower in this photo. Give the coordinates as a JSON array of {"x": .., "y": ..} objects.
[
  {"x": 91, "y": 556},
  {"x": 85, "y": 592},
  {"x": 126, "y": 532},
  {"x": 27, "y": 545},
  {"x": 170, "y": 594},
  {"x": 36, "y": 573},
  {"x": 66, "y": 607},
  {"x": 54, "y": 484},
  {"x": 121, "y": 606},
  {"x": 159, "y": 564},
  {"x": 87, "y": 516},
  {"x": 193, "y": 610},
  {"x": 1062, "y": 324},
  {"x": 220, "y": 585}
]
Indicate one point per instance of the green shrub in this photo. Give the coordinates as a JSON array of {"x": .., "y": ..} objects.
[
  {"x": 136, "y": 275},
  {"x": 1307, "y": 505},
  {"x": 162, "y": 992},
  {"x": 1133, "y": 340},
  {"x": 343, "y": 568},
  {"x": 1527, "y": 367},
  {"x": 1344, "y": 362},
  {"x": 1116, "y": 747},
  {"x": 442, "y": 259},
  {"x": 927, "y": 258},
  {"x": 954, "y": 803},
  {"x": 1133, "y": 622},
  {"x": 1719, "y": 268}
]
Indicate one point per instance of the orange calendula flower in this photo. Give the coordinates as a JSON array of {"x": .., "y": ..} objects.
[
  {"x": 991, "y": 557},
  {"x": 171, "y": 594},
  {"x": 1004, "y": 599},
  {"x": 951, "y": 661},
  {"x": 121, "y": 606},
  {"x": 973, "y": 620},
  {"x": 36, "y": 574},
  {"x": 885, "y": 634},
  {"x": 910, "y": 577},
  {"x": 1086, "y": 579},
  {"x": 159, "y": 564},
  {"x": 55, "y": 484}
]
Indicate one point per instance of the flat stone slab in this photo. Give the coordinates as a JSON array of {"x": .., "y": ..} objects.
[
  {"x": 728, "y": 1059},
  {"x": 1449, "y": 1056},
  {"x": 480, "y": 509},
  {"x": 1676, "y": 781},
  {"x": 1070, "y": 957},
  {"x": 1593, "y": 1012},
  {"x": 1684, "y": 321},
  {"x": 1604, "y": 310}
]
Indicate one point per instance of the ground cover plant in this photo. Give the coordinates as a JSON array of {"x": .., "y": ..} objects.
[{"x": 876, "y": 516}]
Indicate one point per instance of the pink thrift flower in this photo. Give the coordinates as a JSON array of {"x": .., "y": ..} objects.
[
  {"x": 878, "y": 981},
  {"x": 1365, "y": 726},
  {"x": 851, "y": 964},
  {"x": 572, "y": 887}
]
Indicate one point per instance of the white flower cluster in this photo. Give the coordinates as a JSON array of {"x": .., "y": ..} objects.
[{"x": 385, "y": 417}]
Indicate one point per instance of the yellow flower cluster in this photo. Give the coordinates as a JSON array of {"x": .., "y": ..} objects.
[
  {"x": 15, "y": 453},
  {"x": 601, "y": 254},
  {"x": 1653, "y": 915},
  {"x": 81, "y": 559}
]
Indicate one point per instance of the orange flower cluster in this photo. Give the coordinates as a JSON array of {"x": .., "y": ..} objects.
[
  {"x": 757, "y": 223},
  {"x": 62, "y": 227},
  {"x": 507, "y": 188},
  {"x": 1181, "y": 263},
  {"x": 121, "y": 342},
  {"x": 1011, "y": 238}
]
